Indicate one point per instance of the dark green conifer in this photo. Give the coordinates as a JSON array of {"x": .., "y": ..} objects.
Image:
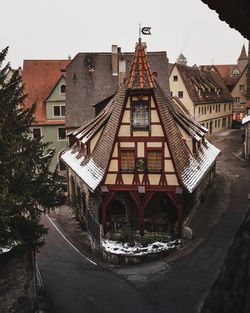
[{"x": 27, "y": 187}]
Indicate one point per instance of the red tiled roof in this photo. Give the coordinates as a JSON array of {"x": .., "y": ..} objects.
[
  {"x": 140, "y": 76},
  {"x": 39, "y": 78},
  {"x": 225, "y": 69}
]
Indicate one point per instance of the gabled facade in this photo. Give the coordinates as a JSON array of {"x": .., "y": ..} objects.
[
  {"x": 204, "y": 94},
  {"x": 239, "y": 95},
  {"x": 141, "y": 157},
  {"x": 45, "y": 84}
]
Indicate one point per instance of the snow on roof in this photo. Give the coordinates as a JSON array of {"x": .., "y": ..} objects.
[
  {"x": 198, "y": 167},
  {"x": 89, "y": 172},
  {"x": 246, "y": 119}
]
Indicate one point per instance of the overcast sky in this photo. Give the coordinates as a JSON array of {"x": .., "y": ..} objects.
[{"x": 54, "y": 29}]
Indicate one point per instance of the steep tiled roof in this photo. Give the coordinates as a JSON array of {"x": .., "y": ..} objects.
[
  {"x": 91, "y": 168},
  {"x": 227, "y": 72},
  {"x": 140, "y": 76},
  {"x": 235, "y": 13},
  {"x": 191, "y": 168},
  {"x": 204, "y": 86},
  {"x": 39, "y": 78},
  {"x": 86, "y": 87}
]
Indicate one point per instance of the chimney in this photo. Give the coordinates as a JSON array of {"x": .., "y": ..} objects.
[
  {"x": 122, "y": 71},
  {"x": 114, "y": 59}
]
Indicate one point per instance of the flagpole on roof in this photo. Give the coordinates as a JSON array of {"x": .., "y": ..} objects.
[{"x": 139, "y": 32}]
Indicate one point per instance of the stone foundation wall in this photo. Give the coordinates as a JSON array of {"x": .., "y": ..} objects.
[{"x": 17, "y": 281}]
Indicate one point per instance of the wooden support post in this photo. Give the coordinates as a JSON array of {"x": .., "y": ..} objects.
[{"x": 104, "y": 218}]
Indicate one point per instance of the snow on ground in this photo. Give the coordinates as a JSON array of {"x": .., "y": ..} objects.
[{"x": 116, "y": 247}]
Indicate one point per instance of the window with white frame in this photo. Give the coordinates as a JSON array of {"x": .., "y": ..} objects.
[
  {"x": 59, "y": 110},
  {"x": 61, "y": 133},
  {"x": 63, "y": 89}
]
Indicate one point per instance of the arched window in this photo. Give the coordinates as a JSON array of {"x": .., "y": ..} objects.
[{"x": 63, "y": 89}]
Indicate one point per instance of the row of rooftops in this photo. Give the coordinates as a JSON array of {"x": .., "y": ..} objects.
[{"x": 93, "y": 78}]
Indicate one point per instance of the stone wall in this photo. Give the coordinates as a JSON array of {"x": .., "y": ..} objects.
[{"x": 17, "y": 281}]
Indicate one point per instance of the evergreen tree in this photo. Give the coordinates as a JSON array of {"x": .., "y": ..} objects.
[{"x": 27, "y": 187}]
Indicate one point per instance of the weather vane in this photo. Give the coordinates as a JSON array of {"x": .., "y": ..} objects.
[{"x": 144, "y": 31}]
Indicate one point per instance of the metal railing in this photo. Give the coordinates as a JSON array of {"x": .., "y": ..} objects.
[{"x": 94, "y": 228}]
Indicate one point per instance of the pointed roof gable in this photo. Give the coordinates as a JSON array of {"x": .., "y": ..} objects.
[
  {"x": 243, "y": 54},
  {"x": 190, "y": 168},
  {"x": 140, "y": 76}
]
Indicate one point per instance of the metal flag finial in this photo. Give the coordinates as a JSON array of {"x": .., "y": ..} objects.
[{"x": 139, "y": 32}]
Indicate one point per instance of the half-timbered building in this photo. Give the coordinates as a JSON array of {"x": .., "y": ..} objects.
[{"x": 141, "y": 158}]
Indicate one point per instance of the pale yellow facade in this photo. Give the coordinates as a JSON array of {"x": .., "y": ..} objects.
[
  {"x": 140, "y": 142},
  {"x": 214, "y": 116}
]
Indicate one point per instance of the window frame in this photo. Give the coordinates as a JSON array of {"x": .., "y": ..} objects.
[
  {"x": 133, "y": 104},
  {"x": 60, "y": 109},
  {"x": 157, "y": 150},
  {"x": 33, "y": 132},
  {"x": 58, "y": 137},
  {"x": 180, "y": 94},
  {"x": 62, "y": 86},
  {"x": 126, "y": 170},
  {"x": 175, "y": 78}
]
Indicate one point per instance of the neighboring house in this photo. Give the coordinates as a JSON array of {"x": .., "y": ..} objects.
[
  {"x": 143, "y": 161},
  {"x": 204, "y": 94},
  {"x": 45, "y": 84},
  {"x": 234, "y": 77},
  {"x": 239, "y": 95},
  {"x": 93, "y": 78}
]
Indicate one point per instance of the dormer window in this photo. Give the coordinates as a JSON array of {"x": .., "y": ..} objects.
[
  {"x": 140, "y": 115},
  {"x": 63, "y": 89}
]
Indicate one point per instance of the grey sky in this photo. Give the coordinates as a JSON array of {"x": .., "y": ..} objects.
[{"x": 53, "y": 29}]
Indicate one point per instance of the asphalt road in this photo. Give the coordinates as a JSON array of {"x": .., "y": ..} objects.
[{"x": 74, "y": 285}]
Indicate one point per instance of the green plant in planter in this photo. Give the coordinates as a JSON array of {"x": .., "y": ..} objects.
[{"x": 140, "y": 164}]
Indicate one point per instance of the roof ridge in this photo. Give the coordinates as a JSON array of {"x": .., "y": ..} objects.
[{"x": 140, "y": 76}]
